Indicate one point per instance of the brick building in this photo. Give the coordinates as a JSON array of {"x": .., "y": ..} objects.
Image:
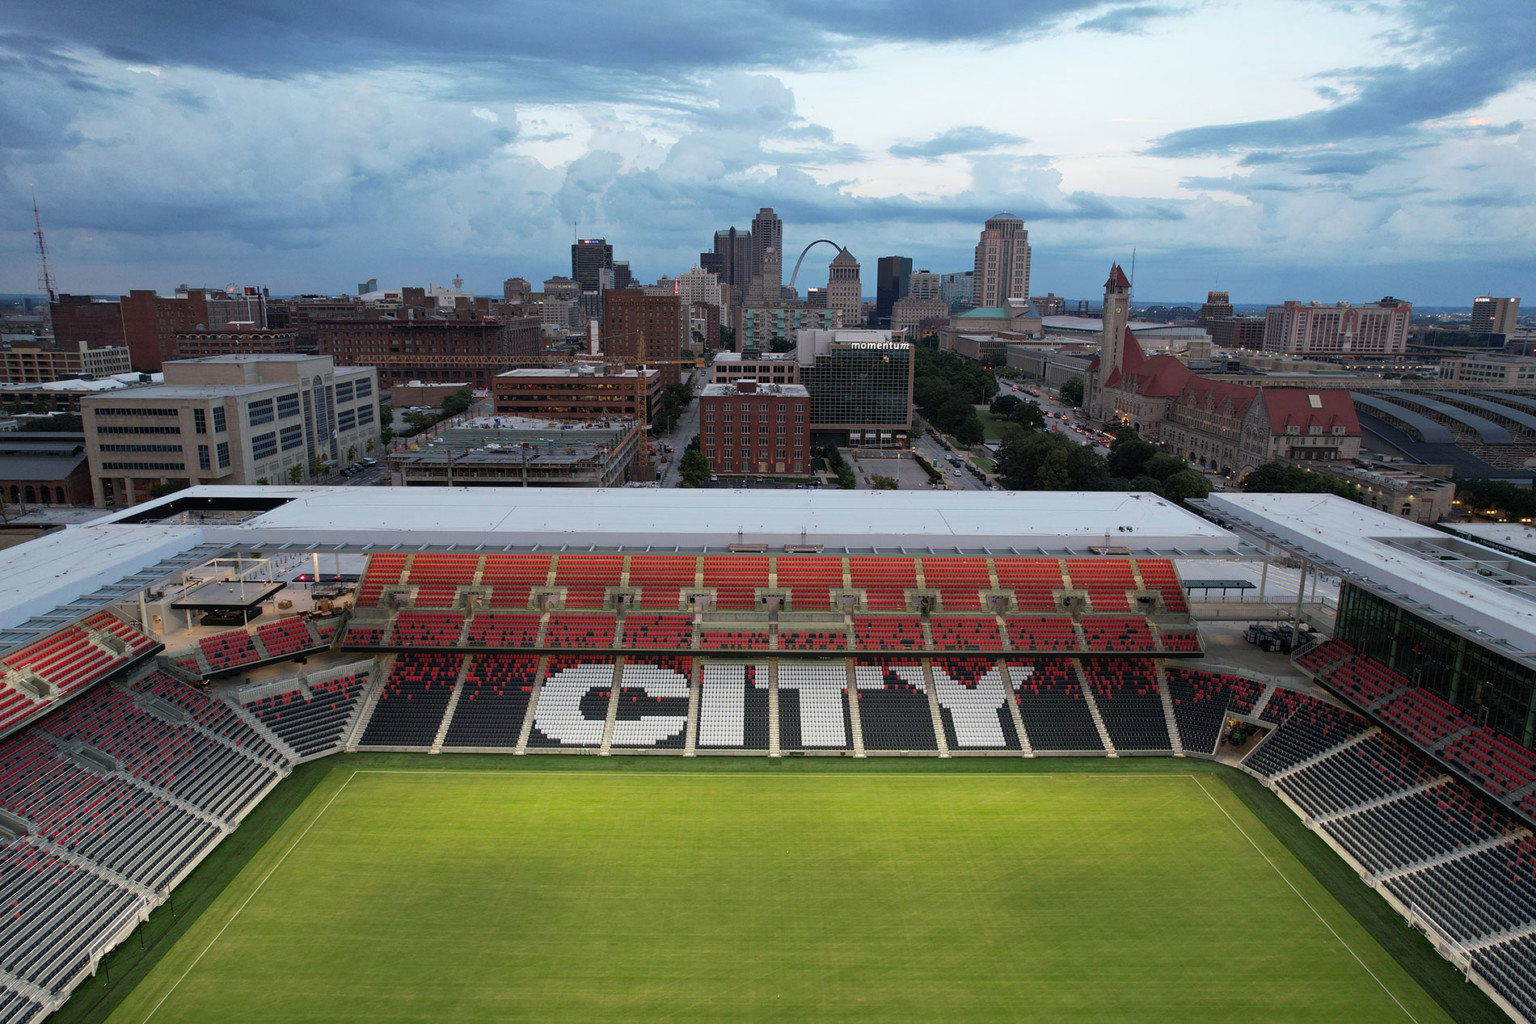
[
  {"x": 37, "y": 363},
  {"x": 88, "y": 320},
  {"x": 746, "y": 429},
  {"x": 431, "y": 347},
  {"x": 1372, "y": 329},
  {"x": 574, "y": 393},
  {"x": 640, "y": 328},
  {"x": 234, "y": 341}
]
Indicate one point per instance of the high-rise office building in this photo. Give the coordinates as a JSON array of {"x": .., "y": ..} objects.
[
  {"x": 731, "y": 260},
  {"x": 589, "y": 258},
  {"x": 925, "y": 284},
  {"x": 1217, "y": 306},
  {"x": 893, "y": 282},
  {"x": 958, "y": 289},
  {"x": 1494, "y": 316},
  {"x": 766, "y": 274},
  {"x": 860, "y": 383},
  {"x": 1002, "y": 262},
  {"x": 843, "y": 290}
]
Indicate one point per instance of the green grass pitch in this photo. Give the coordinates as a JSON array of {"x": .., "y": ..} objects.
[{"x": 814, "y": 894}]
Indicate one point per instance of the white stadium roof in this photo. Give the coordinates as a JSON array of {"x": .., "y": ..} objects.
[{"x": 1461, "y": 585}]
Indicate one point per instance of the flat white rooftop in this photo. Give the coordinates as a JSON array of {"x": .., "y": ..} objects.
[
  {"x": 1038, "y": 521},
  {"x": 1456, "y": 583}
]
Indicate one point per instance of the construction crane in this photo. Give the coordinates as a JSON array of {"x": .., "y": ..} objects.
[{"x": 45, "y": 277}]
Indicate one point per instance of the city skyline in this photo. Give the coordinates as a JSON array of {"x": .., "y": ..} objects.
[{"x": 1356, "y": 153}]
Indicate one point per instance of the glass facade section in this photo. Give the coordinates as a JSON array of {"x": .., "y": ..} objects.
[
  {"x": 860, "y": 388},
  {"x": 1494, "y": 689}
]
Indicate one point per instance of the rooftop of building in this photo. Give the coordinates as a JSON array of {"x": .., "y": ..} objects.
[
  {"x": 752, "y": 387},
  {"x": 116, "y": 382},
  {"x": 584, "y": 370}
]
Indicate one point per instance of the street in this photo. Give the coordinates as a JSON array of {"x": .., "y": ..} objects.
[{"x": 679, "y": 436}]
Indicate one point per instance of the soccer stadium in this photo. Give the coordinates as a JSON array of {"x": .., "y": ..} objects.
[{"x": 269, "y": 754}]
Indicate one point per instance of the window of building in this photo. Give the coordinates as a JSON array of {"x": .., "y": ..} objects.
[
  {"x": 264, "y": 446},
  {"x": 362, "y": 389},
  {"x": 344, "y": 392},
  {"x": 364, "y": 415},
  {"x": 202, "y": 457},
  {"x": 218, "y": 419},
  {"x": 141, "y": 447},
  {"x": 260, "y": 412},
  {"x": 200, "y": 421},
  {"x": 287, "y": 405},
  {"x": 292, "y": 437},
  {"x": 346, "y": 419},
  {"x": 223, "y": 451}
]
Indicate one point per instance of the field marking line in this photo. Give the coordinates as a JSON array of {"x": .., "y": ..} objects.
[
  {"x": 294, "y": 845},
  {"x": 1315, "y": 913}
]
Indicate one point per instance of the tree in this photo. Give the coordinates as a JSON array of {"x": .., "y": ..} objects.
[
  {"x": 458, "y": 402},
  {"x": 727, "y": 337},
  {"x": 1280, "y": 478},
  {"x": 352, "y": 453},
  {"x": 1004, "y": 406},
  {"x": 693, "y": 468},
  {"x": 778, "y": 344},
  {"x": 882, "y": 483},
  {"x": 60, "y": 421},
  {"x": 1162, "y": 466},
  {"x": 386, "y": 423},
  {"x": 1185, "y": 484},
  {"x": 1072, "y": 391},
  {"x": 1129, "y": 454},
  {"x": 1029, "y": 416},
  {"x": 170, "y": 486},
  {"x": 969, "y": 430},
  {"x": 295, "y": 474}
]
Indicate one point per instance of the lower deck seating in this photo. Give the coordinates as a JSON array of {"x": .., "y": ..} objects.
[
  {"x": 1372, "y": 769},
  {"x": 893, "y": 705},
  {"x": 1051, "y": 703},
  {"x": 653, "y": 702},
  {"x": 1201, "y": 702},
  {"x": 1130, "y": 703},
  {"x": 55, "y": 910},
  {"x": 973, "y": 704},
  {"x": 494, "y": 701},
  {"x": 410, "y": 707},
  {"x": 111, "y": 821},
  {"x": 16, "y": 1008},
  {"x": 1417, "y": 827},
  {"x": 1476, "y": 896},
  {"x": 813, "y": 709},
  {"x": 214, "y": 715},
  {"x": 733, "y": 706},
  {"x": 315, "y": 723},
  {"x": 573, "y": 702},
  {"x": 1510, "y": 967},
  {"x": 1309, "y": 728},
  {"x": 175, "y": 757}
]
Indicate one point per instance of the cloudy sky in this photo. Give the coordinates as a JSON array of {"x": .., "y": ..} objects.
[{"x": 1276, "y": 148}]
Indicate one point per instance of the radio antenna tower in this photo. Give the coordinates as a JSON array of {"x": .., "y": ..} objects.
[{"x": 45, "y": 277}]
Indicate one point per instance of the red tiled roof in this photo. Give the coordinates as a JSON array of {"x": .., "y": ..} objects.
[
  {"x": 1326, "y": 408},
  {"x": 1117, "y": 278}
]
